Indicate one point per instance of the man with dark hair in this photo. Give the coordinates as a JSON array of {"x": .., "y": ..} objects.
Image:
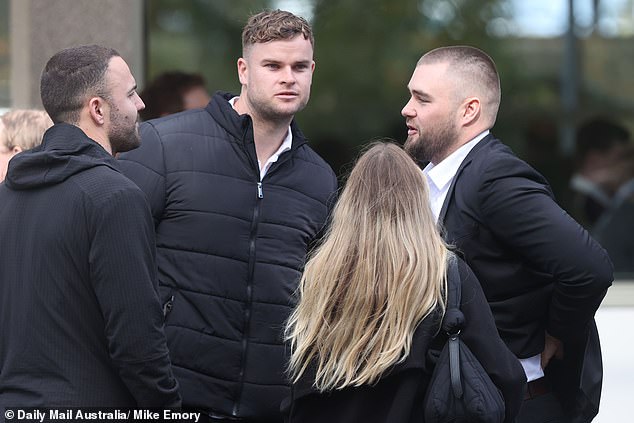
[
  {"x": 543, "y": 275},
  {"x": 173, "y": 92},
  {"x": 238, "y": 197},
  {"x": 600, "y": 142},
  {"x": 80, "y": 318},
  {"x": 615, "y": 227}
]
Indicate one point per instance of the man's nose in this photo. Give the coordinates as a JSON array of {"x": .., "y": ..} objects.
[
  {"x": 407, "y": 110},
  {"x": 140, "y": 105},
  {"x": 288, "y": 76}
]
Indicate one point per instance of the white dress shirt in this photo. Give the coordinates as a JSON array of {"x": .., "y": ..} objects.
[
  {"x": 439, "y": 178},
  {"x": 286, "y": 145}
]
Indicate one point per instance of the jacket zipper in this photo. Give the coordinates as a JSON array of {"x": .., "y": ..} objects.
[{"x": 247, "y": 311}]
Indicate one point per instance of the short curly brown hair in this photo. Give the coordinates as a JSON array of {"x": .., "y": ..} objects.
[{"x": 274, "y": 25}]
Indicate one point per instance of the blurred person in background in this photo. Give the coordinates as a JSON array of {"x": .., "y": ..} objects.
[
  {"x": 599, "y": 144},
  {"x": 615, "y": 228},
  {"x": 20, "y": 130},
  {"x": 173, "y": 92}
]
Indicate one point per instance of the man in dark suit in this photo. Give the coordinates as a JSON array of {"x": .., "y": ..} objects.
[{"x": 543, "y": 275}]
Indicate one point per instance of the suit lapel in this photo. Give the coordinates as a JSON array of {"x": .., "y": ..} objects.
[{"x": 467, "y": 160}]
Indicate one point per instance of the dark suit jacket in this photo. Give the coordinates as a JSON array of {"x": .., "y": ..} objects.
[{"x": 539, "y": 269}]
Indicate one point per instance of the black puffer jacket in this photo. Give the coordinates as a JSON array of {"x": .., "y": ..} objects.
[{"x": 230, "y": 251}]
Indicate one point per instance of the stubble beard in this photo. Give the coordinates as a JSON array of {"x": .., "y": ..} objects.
[
  {"x": 269, "y": 111},
  {"x": 123, "y": 138},
  {"x": 431, "y": 146}
]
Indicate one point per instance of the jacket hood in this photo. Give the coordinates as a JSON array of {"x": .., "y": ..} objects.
[{"x": 64, "y": 152}]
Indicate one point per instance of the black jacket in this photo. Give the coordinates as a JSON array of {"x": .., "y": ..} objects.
[
  {"x": 230, "y": 251},
  {"x": 399, "y": 396},
  {"x": 80, "y": 318},
  {"x": 539, "y": 269}
]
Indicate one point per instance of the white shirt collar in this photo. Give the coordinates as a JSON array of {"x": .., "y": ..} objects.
[
  {"x": 286, "y": 145},
  {"x": 440, "y": 176},
  {"x": 442, "y": 173}
]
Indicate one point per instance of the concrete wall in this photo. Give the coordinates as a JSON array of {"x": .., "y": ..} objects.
[{"x": 40, "y": 28}]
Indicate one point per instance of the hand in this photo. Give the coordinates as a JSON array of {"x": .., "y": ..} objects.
[{"x": 553, "y": 347}]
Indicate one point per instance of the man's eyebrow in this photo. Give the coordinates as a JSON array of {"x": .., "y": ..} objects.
[
  {"x": 299, "y": 62},
  {"x": 419, "y": 93}
]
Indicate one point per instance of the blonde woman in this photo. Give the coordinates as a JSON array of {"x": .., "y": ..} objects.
[
  {"x": 20, "y": 130},
  {"x": 365, "y": 333}
]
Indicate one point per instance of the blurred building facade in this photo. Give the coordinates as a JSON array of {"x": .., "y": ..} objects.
[
  {"x": 549, "y": 85},
  {"x": 33, "y": 30}
]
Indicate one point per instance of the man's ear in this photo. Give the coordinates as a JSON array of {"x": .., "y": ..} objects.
[
  {"x": 470, "y": 110},
  {"x": 242, "y": 70},
  {"x": 16, "y": 149},
  {"x": 97, "y": 110}
]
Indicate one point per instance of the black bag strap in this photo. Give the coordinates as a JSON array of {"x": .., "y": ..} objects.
[
  {"x": 453, "y": 322},
  {"x": 454, "y": 287}
]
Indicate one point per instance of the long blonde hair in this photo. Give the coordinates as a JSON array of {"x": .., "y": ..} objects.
[{"x": 380, "y": 270}]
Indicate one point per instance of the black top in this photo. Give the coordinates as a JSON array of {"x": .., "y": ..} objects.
[
  {"x": 399, "y": 396},
  {"x": 80, "y": 318},
  {"x": 539, "y": 269},
  {"x": 231, "y": 248}
]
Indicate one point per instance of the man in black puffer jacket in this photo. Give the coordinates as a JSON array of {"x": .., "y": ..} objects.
[{"x": 237, "y": 197}]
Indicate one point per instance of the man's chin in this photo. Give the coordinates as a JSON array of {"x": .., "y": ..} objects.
[
  {"x": 281, "y": 114},
  {"x": 129, "y": 144},
  {"x": 411, "y": 144},
  {"x": 290, "y": 111},
  {"x": 290, "y": 108},
  {"x": 416, "y": 150}
]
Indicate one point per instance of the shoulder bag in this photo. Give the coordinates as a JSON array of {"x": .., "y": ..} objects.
[{"x": 460, "y": 390}]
